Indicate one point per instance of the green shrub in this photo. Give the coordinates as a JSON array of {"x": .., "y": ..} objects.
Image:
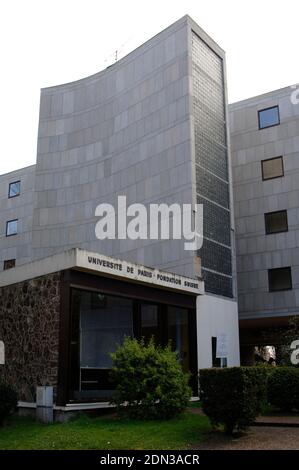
[
  {"x": 150, "y": 383},
  {"x": 8, "y": 401},
  {"x": 283, "y": 388},
  {"x": 233, "y": 396}
]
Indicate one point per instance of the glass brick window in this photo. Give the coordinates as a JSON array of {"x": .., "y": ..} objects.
[
  {"x": 268, "y": 117},
  {"x": 272, "y": 168},
  {"x": 8, "y": 264},
  {"x": 11, "y": 227},
  {"x": 280, "y": 279},
  {"x": 211, "y": 160},
  {"x": 276, "y": 222},
  {"x": 14, "y": 189}
]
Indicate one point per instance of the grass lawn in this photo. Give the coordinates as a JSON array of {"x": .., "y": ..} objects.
[{"x": 105, "y": 432}]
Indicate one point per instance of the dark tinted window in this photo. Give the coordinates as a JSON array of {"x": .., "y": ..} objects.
[
  {"x": 178, "y": 334},
  {"x": 268, "y": 117},
  {"x": 280, "y": 279},
  {"x": 276, "y": 222},
  {"x": 104, "y": 323},
  {"x": 272, "y": 168},
  {"x": 14, "y": 189},
  {"x": 9, "y": 263},
  {"x": 215, "y": 360}
]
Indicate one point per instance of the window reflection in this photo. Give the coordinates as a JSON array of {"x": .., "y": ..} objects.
[
  {"x": 268, "y": 117},
  {"x": 104, "y": 323},
  {"x": 149, "y": 322}
]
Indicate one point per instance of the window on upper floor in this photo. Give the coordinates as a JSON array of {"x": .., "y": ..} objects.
[
  {"x": 11, "y": 227},
  {"x": 276, "y": 222},
  {"x": 14, "y": 189},
  {"x": 280, "y": 279},
  {"x": 272, "y": 168},
  {"x": 268, "y": 117},
  {"x": 8, "y": 264}
]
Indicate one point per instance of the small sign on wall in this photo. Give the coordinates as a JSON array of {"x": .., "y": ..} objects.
[
  {"x": 2, "y": 353},
  {"x": 222, "y": 346}
]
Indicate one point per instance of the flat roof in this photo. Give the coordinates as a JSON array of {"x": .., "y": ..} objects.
[
  {"x": 252, "y": 100},
  {"x": 24, "y": 169},
  {"x": 98, "y": 264}
]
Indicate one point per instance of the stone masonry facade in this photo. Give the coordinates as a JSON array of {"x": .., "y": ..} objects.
[{"x": 29, "y": 327}]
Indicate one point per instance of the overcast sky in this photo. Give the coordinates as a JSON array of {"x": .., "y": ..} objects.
[{"x": 48, "y": 42}]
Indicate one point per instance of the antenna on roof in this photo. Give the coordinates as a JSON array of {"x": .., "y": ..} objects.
[{"x": 116, "y": 53}]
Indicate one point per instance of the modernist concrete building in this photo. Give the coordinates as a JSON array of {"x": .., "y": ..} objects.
[
  {"x": 265, "y": 159},
  {"x": 151, "y": 127}
]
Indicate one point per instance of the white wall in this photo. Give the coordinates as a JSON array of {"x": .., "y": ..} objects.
[{"x": 216, "y": 316}]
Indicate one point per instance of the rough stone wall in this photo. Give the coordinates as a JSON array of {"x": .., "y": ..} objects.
[{"x": 29, "y": 327}]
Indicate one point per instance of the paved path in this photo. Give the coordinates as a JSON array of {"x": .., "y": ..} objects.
[
  {"x": 257, "y": 438},
  {"x": 278, "y": 419}
]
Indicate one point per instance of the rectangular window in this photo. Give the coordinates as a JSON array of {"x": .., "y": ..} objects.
[
  {"x": 268, "y": 117},
  {"x": 272, "y": 168},
  {"x": 14, "y": 189},
  {"x": 104, "y": 323},
  {"x": 215, "y": 360},
  {"x": 276, "y": 222},
  {"x": 149, "y": 321},
  {"x": 8, "y": 264},
  {"x": 280, "y": 279},
  {"x": 11, "y": 227},
  {"x": 178, "y": 334}
]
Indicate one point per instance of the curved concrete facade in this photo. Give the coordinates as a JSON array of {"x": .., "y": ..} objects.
[{"x": 124, "y": 131}]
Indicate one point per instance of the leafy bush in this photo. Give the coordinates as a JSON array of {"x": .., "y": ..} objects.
[
  {"x": 150, "y": 383},
  {"x": 283, "y": 388},
  {"x": 8, "y": 401},
  {"x": 233, "y": 396}
]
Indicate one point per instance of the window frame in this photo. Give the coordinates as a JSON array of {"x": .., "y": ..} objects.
[
  {"x": 15, "y": 195},
  {"x": 267, "y": 109},
  {"x": 283, "y": 289},
  {"x": 267, "y": 232},
  {"x": 272, "y": 177},
  {"x": 7, "y": 224},
  {"x": 6, "y": 261},
  {"x": 89, "y": 284}
]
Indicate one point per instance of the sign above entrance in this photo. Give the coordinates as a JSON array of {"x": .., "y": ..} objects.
[{"x": 138, "y": 273}]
